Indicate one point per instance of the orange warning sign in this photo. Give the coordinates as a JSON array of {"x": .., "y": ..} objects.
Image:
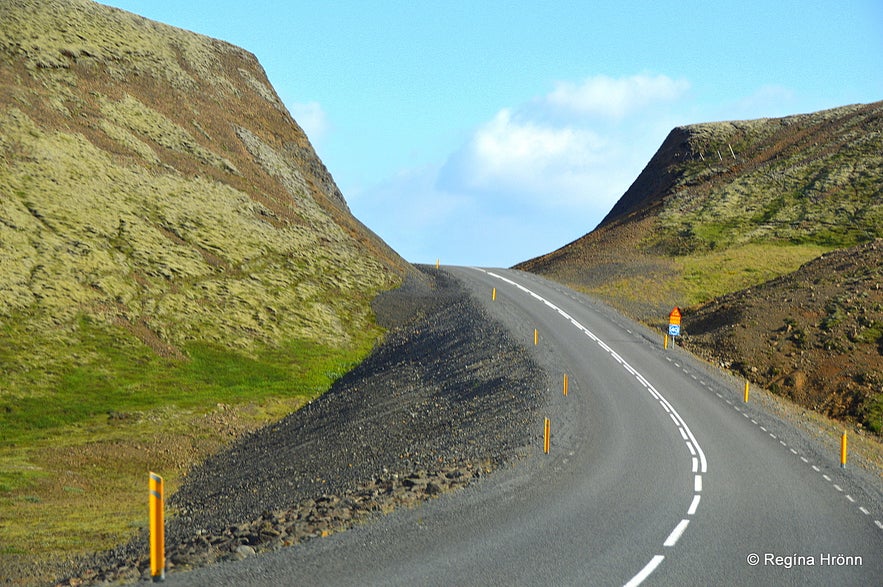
[{"x": 675, "y": 316}]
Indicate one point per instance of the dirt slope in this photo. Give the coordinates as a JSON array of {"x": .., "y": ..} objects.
[{"x": 814, "y": 336}]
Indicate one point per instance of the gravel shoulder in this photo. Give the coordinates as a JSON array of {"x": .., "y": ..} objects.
[{"x": 442, "y": 401}]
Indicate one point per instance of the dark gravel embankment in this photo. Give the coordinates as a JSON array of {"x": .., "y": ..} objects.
[{"x": 443, "y": 400}]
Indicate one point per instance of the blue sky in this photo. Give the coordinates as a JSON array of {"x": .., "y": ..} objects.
[{"x": 489, "y": 132}]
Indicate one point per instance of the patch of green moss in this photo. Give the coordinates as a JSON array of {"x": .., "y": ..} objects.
[{"x": 107, "y": 370}]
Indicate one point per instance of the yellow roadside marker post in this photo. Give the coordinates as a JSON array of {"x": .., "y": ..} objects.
[
  {"x": 494, "y": 295},
  {"x": 536, "y": 336},
  {"x": 843, "y": 443},
  {"x": 157, "y": 530},
  {"x": 547, "y": 435},
  {"x": 746, "y": 393},
  {"x": 565, "y": 385}
]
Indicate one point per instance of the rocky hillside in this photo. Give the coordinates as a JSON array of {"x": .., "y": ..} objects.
[
  {"x": 725, "y": 207},
  {"x": 814, "y": 336},
  {"x": 170, "y": 245}
]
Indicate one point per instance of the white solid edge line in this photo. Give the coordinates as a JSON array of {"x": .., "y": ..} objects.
[{"x": 645, "y": 572}]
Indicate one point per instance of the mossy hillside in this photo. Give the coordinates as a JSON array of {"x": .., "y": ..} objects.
[
  {"x": 177, "y": 265},
  {"x": 814, "y": 179},
  {"x": 730, "y": 205},
  {"x": 193, "y": 255},
  {"x": 49, "y": 34}
]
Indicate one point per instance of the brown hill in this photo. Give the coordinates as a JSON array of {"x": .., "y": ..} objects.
[{"x": 724, "y": 207}]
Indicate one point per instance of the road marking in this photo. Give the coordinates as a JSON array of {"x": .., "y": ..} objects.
[
  {"x": 850, "y": 498},
  {"x": 646, "y": 571},
  {"x": 879, "y": 524},
  {"x": 694, "y": 505},
  {"x": 602, "y": 344},
  {"x": 826, "y": 478},
  {"x": 838, "y": 488},
  {"x": 681, "y": 424},
  {"x": 697, "y": 483},
  {"x": 864, "y": 510},
  {"x": 676, "y": 533},
  {"x": 816, "y": 469}
]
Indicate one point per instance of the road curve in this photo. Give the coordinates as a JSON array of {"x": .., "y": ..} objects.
[{"x": 658, "y": 474}]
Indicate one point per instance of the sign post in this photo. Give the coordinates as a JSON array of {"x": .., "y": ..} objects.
[{"x": 674, "y": 323}]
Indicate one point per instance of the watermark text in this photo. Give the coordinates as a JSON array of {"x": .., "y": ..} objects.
[{"x": 788, "y": 561}]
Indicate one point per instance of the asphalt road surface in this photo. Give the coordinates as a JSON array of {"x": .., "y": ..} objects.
[{"x": 658, "y": 474}]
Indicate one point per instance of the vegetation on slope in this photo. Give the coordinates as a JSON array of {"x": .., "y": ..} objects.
[{"x": 173, "y": 253}]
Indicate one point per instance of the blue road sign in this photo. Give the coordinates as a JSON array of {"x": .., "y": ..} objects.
[{"x": 674, "y": 329}]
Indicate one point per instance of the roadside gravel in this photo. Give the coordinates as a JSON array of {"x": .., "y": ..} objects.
[{"x": 446, "y": 398}]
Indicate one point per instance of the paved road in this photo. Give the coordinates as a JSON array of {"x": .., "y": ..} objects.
[{"x": 658, "y": 474}]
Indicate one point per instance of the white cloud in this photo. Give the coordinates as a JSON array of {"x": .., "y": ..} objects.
[
  {"x": 524, "y": 157},
  {"x": 578, "y": 147},
  {"x": 529, "y": 179},
  {"x": 311, "y": 118},
  {"x": 615, "y": 97}
]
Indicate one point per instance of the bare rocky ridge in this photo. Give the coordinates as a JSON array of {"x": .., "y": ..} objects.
[{"x": 445, "y": 399}]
